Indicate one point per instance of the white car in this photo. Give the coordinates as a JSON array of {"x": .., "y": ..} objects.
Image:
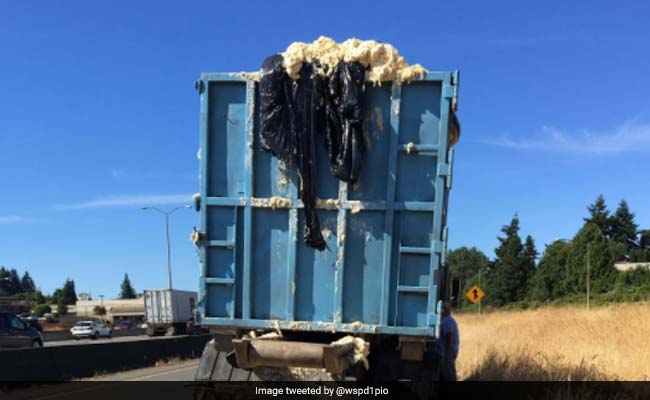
[{"x": 91, "y": 329}]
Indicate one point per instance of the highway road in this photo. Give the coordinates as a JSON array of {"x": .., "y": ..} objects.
[
  {"x": 105, "y": 340},
  {"x": 182, "y": 371},
  {"x": 118, "y": 385}
]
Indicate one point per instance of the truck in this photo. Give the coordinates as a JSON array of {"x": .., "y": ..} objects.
[
  {"x": 167, "y": 311},
  {"x": 368, "y": 307}
]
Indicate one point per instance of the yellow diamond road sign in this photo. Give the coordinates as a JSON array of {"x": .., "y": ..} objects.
[{"x": 474, "y": 294}]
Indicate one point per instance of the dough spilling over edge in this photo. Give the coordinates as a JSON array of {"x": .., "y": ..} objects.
[
  {"x": 383, "y": 61},
  {"x": 361, "y": 349}
]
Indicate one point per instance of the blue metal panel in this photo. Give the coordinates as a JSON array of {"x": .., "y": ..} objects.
[
  {"x": 315, "y": 273},
  {"x": 386, "y": 235}
]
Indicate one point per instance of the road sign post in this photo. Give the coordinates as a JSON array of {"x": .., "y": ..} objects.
[{"x": 475, "y": 294}]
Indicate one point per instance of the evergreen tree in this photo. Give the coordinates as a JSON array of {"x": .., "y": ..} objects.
[
  {"x": 56, "y": 295},
  {"x": 599, "y": 215},
  {"x": 547, "y": 282},
  {"x": 623, "y": 227},
  {"x": 602, "y": 255},
  {"x": 507, "y": 279},
  {"x": 644, "y": 240},
  {"x": 68, "y": 293},
  {"x": 4, "y": 281},
  {"x": 530, "y": 258},
  {"x": 38, "y": 297},
  {"x": 14, "y": 285},
  {"x": 61, "y": 308},
  {"x": 27, "y": 283},
  {"x": 127, "y": 291}
]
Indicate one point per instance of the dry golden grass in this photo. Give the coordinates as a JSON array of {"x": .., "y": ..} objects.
[{"x": 569, "y": 343}]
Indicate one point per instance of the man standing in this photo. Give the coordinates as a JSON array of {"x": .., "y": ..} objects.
[{"x": 448, "y": 345}]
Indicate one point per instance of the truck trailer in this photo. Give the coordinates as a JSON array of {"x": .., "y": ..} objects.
[
  {"x": 369, "y": 305},
  {"x": 167, "y": 311}
]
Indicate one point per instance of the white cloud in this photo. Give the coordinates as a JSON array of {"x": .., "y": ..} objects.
[
  {"x": 128, "y": 201},
  {"x": 629, "y": 137}
]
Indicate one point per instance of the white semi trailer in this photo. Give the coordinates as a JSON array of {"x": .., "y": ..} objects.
[{"x": 167, "y": 311}]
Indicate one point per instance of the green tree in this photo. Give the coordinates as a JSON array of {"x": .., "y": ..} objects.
[
  {"x": 68, "y": 293},
  {"x": 27, "y": 283},
  {"x": 530, "y": 255},
  {"x": 599, "y": 215},
  {"x": 9, "y": 282},
  {"x": 41, "y": 309},
  {"x": 589, "y": 241},
  {"x": 38, "y": 297},
  {"x": 56, "y": 295},
  {"x": 464, "y": 264},
  {"x": 4, "y": 281},
  {"x": 508, "y": 277},
  {"x": 61, "y": 308},
  {"x": 127, "y": 291},
  {"x": 644, "y": 240},
  {"x": 547, "y": 282},
  {"x": 623, "y": 227}
]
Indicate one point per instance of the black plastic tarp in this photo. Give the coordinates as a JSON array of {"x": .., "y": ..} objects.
[{"x": 295, "y": 112}]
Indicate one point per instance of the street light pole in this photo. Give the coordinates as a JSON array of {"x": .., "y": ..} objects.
[{"x": 169, "y": 250}]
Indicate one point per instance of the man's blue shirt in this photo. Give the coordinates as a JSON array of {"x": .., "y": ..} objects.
[{"x": 448, "y": 325}]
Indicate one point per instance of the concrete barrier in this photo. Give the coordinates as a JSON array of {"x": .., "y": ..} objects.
[{"x": 67, "y": 362}]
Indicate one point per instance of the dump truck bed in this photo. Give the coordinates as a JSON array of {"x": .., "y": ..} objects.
[{"x": 386, "y": 235}]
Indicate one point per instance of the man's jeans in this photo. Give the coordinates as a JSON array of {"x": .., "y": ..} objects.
[{"x": 448, "y": 369}]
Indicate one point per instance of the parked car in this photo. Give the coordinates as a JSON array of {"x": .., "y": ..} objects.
[
  {"x": 124, "y": 326},
  {"x": 33, "y": 322},
  {"x": 14, "y": 333},
  {"x": 49, "y": 318},
  {"x": 90, "y": 329}
]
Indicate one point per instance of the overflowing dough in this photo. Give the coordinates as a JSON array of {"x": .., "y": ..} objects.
[{"x": 382, "y": 60}]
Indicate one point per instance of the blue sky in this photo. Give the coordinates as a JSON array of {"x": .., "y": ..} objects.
[{"x": 98, "y": 117}]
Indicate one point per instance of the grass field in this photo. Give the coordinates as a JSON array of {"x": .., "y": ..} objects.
[{"x": 562, "y": 343}]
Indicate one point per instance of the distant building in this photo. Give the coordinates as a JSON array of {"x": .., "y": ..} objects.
[
  {"x": 626, "y": 266},
  {"x": 132, "y": 309}
]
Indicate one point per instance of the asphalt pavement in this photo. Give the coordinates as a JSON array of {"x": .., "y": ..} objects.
[
  {"x": 182, "y": 371},
  {"x": 88, "y": 341},
  {"x": 117, "y": 386}
]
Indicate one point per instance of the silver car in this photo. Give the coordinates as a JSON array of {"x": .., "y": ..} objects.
[{"x": 90, "y": 329}]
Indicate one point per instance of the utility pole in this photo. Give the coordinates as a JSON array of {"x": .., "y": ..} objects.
[
  {"x": 169, "y": 251},
  {"x": 479, "y": 285},
  {"x": 588, "y": 276}
]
